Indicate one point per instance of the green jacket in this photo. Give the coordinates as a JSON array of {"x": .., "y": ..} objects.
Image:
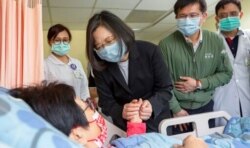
[{"x": 209, "y": 64}]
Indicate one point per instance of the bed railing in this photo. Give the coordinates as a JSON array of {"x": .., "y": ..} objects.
[{"x": 199, "y": 122}]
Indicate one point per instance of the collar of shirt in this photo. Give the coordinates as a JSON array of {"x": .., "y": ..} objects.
[
  {"x": 239, "y": 33},
  {"x": 55, "y": 60},
  {"x": 195, "y": 46}
]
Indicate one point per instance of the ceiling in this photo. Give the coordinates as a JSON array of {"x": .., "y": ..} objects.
[{"x": 152, "y": 20}]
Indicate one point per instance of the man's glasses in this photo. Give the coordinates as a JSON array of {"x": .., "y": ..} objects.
[
  {"x": 191, "y": 15},
  {"x": 230, "y": 14}
]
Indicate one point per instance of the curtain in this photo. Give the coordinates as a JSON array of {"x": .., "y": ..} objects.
[{"x": 21, "y": 42}]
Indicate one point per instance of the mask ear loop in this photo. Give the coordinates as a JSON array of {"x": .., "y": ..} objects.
[
  {"x": 120, "y": 42},
  {"x": 91, "y": 106},
  {"x": 123, "y": 47}
]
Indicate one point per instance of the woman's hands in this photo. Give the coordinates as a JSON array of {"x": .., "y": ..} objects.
[
  {"x": 137, "y": 110},
  {"x": 145, "y": 110}
]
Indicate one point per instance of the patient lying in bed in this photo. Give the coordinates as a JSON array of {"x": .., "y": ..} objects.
[
  {"x": 57, "y": 104},
  {"x": 26, "y": 129}
]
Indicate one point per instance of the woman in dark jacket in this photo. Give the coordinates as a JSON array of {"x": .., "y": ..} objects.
[{"x": 127, "y": 71}]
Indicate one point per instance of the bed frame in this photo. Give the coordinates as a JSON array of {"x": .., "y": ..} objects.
[{"x": 199, "y": 122}]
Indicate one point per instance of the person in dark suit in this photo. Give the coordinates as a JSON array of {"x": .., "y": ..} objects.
[{"x": 127, "y": 72}]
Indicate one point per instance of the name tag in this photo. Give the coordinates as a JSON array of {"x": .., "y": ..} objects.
[
  {"x": 247, "y": 59},
  {"x": 78, "y": 74}
]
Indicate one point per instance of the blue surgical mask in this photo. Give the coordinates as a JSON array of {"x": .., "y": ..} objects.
[
  {"x": 60, "y": 49},
  {"x": 112, "y": 53},
  {"x": 188, "y": 26},
  {"x": 229, "y": 23}
]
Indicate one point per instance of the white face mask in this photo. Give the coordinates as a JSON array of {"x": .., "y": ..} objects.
[
  {"x": 112, "y": 53},
  {"x": 188, "y": 26}
]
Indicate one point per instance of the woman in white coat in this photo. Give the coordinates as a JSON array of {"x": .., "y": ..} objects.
[
  {"x": 59, "y": 66},
  {"x": 234, "y": 97}
]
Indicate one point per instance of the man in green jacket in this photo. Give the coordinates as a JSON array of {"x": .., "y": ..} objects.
[{"x": 196, "y": 59}]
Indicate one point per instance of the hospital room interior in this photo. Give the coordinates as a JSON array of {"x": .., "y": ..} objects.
[{"x": 130, "y": 73}]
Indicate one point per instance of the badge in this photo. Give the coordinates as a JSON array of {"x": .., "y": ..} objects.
[
  {"x": 78, "y": 74},
  {"x": 247, "y": 60},
  {"x": 73, "y": 66}
]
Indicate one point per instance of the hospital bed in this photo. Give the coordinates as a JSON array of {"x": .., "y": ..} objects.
[
  {"x": 113, "y": 132},
  {"x": 235, "y": 134},
  {"x": 199, "y": 123}
]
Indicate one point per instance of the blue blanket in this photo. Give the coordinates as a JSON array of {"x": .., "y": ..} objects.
[
  {"x": 236, "y": 135},
  {"x": 149, "y": 140}
]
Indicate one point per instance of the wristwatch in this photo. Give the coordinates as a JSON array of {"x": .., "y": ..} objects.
[{"x": 198, "y": 84}]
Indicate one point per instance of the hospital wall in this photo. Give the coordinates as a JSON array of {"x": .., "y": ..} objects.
[{"x": 78, "y": 44}]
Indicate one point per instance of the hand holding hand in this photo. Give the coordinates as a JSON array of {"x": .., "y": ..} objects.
[
  {"x": 145, "y": 110},
  {"x": 136, "y": 118},
  {"x": 130, "y": 110}
]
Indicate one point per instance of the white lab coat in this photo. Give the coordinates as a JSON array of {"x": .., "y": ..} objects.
[
  {"x": 56, "y": 70},
  {"x": 227, "y": 97}
]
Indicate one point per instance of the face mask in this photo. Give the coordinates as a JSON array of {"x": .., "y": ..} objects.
[
  {"x": 102, "y": 125},
  {"x": 112, "y": 53},
  {"x": 188, "y": 26},
  {"x": 229, "y": 23},
  {"x": 60, "y": 49}
]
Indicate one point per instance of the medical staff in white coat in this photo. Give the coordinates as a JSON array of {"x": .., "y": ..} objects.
[
  {"x": 234, "y": 97},
  {"x": 59, "y": 66}
]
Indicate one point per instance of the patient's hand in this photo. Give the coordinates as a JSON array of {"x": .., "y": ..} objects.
[{"x": 192, "y": 142}]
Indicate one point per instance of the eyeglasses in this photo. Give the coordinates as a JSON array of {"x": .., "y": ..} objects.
[
  {"x": 191, "y": 15},
  {"x": 230, "y": 14},
  {"x": 59, "y": 41},
  {"x": 108, "y": 41},
  {"x": 90, "y": 104}
]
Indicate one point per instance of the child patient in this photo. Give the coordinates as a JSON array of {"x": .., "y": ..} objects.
[{"x": 57, "y": 103}]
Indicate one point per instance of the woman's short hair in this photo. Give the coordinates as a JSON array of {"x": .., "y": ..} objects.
[
  {"x": 116, "y": 26},
  {"x": 55, "y": 30},
  {"x": 55, "y": 103}
]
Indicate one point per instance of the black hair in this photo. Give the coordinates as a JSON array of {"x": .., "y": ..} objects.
[
  {"x": 55, "y": 102},
  {"x": 116, "y": 26},
  {"x": 180, "y": 4},
  {"x": 222, "y": 3},
  {"x": 55, "y": 30}
]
